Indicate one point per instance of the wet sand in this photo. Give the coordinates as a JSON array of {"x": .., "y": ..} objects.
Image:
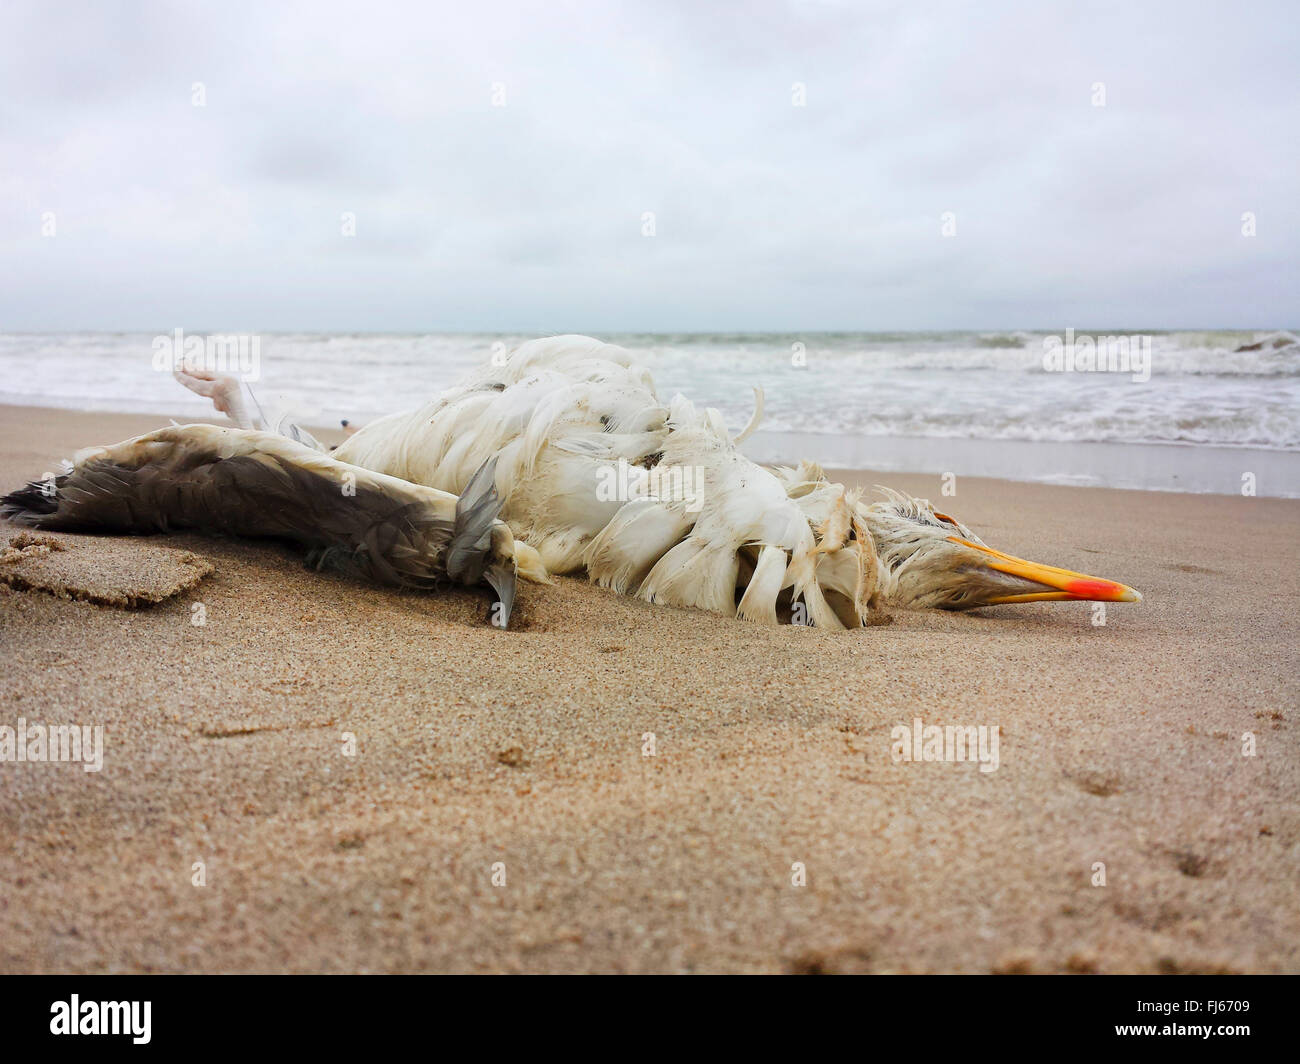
[{"x": 522, "y": 751}]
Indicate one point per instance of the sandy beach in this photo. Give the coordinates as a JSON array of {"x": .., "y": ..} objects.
[{"x": 483, "y": 754}]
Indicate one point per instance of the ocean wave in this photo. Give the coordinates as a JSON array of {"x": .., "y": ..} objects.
[
  {"x": 1002, "y": 340},
  {"x": 985, "y": 385},
  {"x": 1207, "y": 435}
]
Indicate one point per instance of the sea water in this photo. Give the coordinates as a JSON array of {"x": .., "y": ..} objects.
[{"x": 1199, "y": 415}]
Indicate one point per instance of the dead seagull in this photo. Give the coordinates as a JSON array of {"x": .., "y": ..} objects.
[{"x": 557, "y": 458}]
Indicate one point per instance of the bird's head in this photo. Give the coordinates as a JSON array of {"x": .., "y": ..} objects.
[{"x": 928, "y": 559}]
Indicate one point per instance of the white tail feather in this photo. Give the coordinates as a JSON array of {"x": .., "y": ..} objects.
[
  {"x": 759, "y": 601},
  {"x": 628, "y": 547},
  {"x": 754, "y": 419},
  {"x": 692, "y": 574}
]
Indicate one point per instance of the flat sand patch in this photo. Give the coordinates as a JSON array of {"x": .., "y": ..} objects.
[{"x": 115, "y": 572}]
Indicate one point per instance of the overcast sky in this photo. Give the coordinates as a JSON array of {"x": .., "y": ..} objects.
[{"x": 529, "y": 216}]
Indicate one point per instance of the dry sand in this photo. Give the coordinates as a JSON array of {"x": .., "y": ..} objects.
[{"x": 1120, "y": 744}]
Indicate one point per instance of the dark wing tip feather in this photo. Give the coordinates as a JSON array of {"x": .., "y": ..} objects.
[
  {"x": 476, "y": 511},
  {"x": 501, "y": 577},
  {"x": 34, "y": 503}
]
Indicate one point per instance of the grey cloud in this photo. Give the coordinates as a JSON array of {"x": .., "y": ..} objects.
[{"x": 767, "y": 215}]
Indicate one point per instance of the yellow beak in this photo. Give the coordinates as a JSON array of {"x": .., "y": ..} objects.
[{"x": 1065, "y": 583}]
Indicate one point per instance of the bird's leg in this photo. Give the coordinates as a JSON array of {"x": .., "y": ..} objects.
[
  {"x": 235, "y": 399},
  {"x": 226, "y": 393}
]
